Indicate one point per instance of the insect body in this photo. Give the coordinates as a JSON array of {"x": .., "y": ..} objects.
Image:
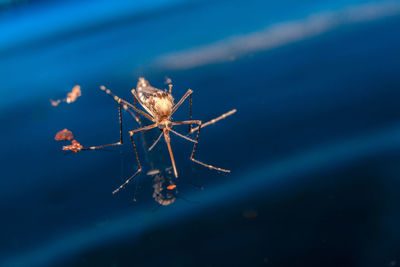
[
  {"x": 159, "y": 106},
  {"x": 156, "y": 102}
]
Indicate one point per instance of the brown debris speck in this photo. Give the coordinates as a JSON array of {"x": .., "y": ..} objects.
[
  {"x": 74, "y": 94},
  {"x": 64, "y": 135},
  {"x": 55, "y": 103},
  {"x": 71, "y": 96},
  {"x": 74, "y": 147}
]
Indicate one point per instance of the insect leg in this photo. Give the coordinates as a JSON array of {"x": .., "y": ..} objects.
[
  {"x": 118, "y": 99},
  {"x": 199, "y": 162},
  {"x": 126, "y": 103},
  {"x": 186, "y": 122},
  {"x": 223, "y": 116},
  {"x": 190, "y": 113},
  {"x": 194, "y": 146},
  {"x": 181, "y": 135},
  {"x": 120, "y": 133},
  {"x": 135, "y": 103},
  {"x": 188, "y": 93},
  {"x": 131, "y": 133},
  {"x": 155, "y": 142}
]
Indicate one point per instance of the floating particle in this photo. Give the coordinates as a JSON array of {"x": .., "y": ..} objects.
[
  {"x": 74, "y": 147},
  {"x": 153, "y": 172},
  {"x": 64, "y": 135},
  {"x": 55, "y": 103},
  {"x": 74, "y": 94},
  {"x": 71, "y": 96},
  {"x": 171, "y": 187},
  {"x": 168, "y": 80}
]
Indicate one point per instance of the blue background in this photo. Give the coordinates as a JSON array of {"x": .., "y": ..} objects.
[{"x": 314, "y": 148}]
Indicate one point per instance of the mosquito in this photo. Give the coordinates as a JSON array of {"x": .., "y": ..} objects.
[{"x": 159, "y": 106}]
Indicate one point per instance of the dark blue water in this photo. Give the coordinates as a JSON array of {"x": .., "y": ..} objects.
[{"x": 313, "y": 148}]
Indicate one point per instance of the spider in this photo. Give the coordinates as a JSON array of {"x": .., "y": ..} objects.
[{"x": 159, "y": 106}]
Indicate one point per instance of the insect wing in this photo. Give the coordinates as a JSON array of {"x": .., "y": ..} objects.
[{"x": 152, "y": 99}]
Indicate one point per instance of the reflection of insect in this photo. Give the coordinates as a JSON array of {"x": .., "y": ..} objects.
[
  {"x": 159, "y": 106},
  {"x": 165, "y": 192}
]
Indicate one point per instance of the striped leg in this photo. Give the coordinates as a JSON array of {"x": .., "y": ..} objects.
[
  {"x": 194, "y": 146},
  {"x": 131, "y": 133},
  {"x": 120, "y": 133},
  {"x": 223, "y": 116}
]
